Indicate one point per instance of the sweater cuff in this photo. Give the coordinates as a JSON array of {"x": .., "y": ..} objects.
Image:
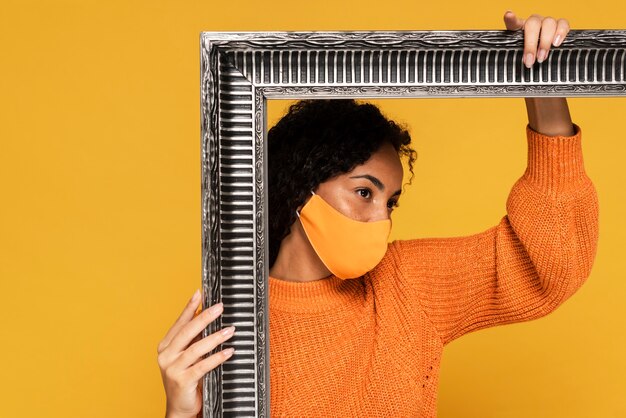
[{"x": 555, "y": 163}]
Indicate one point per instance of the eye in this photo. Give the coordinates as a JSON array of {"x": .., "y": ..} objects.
[
  {"x": 364, "y": 192},
  {"x": 392, "y": 204}
]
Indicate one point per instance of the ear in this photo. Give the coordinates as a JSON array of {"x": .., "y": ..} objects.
[{"x": 299, "y": 208}]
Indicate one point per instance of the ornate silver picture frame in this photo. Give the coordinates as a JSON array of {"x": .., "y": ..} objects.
[{"x": 240, "y": 70}]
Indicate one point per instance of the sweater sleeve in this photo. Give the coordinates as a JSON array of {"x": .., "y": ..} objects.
[{"x": 527, "y": 265}]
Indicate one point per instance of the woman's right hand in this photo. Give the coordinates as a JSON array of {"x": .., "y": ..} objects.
[{"x": 178, "y": 360}]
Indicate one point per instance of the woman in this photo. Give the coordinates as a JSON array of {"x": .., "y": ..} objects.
[{"x": 358, "y": 326}]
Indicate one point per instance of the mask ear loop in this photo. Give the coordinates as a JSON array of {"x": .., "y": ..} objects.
[{"x": 298, "y": 213}]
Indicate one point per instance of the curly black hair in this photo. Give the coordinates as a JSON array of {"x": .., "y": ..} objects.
[{"x": 315, "y": 141}]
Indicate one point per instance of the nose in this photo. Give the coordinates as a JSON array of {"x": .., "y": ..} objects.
[{"x": 379, "y": 213}]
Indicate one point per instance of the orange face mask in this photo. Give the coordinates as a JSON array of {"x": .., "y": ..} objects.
[{"x": 347, "y": 247}]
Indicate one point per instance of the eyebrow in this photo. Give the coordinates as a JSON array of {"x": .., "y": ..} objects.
[{"x": 376, "y": 182}]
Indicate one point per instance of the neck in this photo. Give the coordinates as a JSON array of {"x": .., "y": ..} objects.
[{"x": 297, "y": 261}]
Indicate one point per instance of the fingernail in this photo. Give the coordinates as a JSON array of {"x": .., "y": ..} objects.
[
  {"x": 529, "y": 60},
  {"x": 229, "y": 330},
  {"x": 195, "y": 295},
  {"x": 541, "y": 55},
  {"x": 557, "y": 40},
  {"x": 229, "y": 351},
  {"x": 216, "y": 308}
]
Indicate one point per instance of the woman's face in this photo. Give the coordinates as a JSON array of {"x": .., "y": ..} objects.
[{"x": 370, "y": 191}]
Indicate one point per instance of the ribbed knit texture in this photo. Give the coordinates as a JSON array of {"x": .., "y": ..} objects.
[{"x": 372, "y": 347}]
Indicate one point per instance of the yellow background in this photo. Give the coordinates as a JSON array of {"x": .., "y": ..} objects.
[{"x": 100, "y": 203}]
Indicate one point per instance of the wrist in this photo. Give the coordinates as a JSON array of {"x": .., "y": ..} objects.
[
  {"x": 169, "y": 414},
  {"x": 549, "y": 116}
]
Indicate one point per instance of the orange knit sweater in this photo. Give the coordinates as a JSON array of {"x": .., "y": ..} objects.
[{"x": 372, "y": 347}]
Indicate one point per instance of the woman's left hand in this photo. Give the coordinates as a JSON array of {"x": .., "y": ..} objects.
[
  {"x": 539, "y": 34},
  {"x": 546, "y": 115}
]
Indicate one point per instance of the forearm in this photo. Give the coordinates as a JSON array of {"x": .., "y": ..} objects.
[{"x": 549, "y": 115}]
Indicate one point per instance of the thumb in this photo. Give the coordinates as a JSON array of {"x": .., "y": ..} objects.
[{"x": 513, "y": 22}]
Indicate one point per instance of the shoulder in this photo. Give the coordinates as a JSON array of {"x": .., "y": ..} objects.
[{"x": 387, "y": 272}]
